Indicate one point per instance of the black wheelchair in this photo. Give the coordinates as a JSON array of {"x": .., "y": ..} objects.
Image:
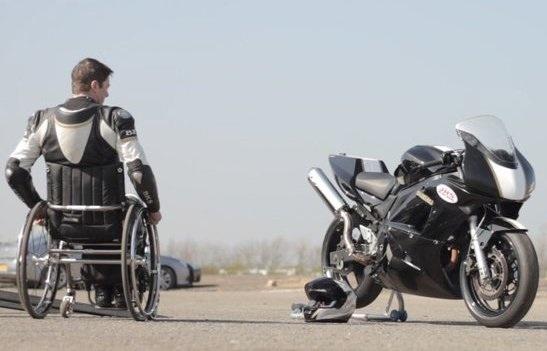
[{"x": 46, "y": 251}]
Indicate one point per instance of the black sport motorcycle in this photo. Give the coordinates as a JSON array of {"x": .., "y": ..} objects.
[{"x": 444, "y": 225}]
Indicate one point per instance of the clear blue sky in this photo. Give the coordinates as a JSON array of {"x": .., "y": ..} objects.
[{"x": 235, "y": 100}]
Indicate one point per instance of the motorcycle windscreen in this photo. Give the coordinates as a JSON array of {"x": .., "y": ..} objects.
[{"x": 492, "y": 164}]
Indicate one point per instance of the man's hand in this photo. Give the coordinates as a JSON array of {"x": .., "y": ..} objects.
[
  {"x": 155, "y": 217},
  {"x": 40, "y": 217}
]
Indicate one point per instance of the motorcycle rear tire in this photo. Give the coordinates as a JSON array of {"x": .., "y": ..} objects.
[{"x": 367, "y": 290}]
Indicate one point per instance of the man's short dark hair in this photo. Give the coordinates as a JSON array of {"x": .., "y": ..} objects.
[{"x": 86, "y": 71}]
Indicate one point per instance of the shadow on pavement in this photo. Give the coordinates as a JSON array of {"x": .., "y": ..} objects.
[
  {"x": 200, "y": 286},
  {"x": 454, "y": 323},
  {"x": 531, "y": 325},
  {"x": 521, "y": 325},
  {"x": 229, "y": 321}
]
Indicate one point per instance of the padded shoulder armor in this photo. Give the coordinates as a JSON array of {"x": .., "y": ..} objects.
[
  {"x": 120, "y": 121},
  {"x": 33, "y": 123},
  {"x": 125, "y": 124}
]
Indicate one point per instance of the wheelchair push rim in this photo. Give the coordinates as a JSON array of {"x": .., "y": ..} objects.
[
  {"x": 37, "y": 276},
  {"x": 140, "y": 272}
]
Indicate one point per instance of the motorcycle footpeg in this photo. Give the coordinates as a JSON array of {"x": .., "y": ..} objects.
[
  {"x": 361, "y": 257},
  {"x": 341, "y": 257}
]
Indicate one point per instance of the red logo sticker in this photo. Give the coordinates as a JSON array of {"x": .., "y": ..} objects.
[{"x": 447, "y": 194}]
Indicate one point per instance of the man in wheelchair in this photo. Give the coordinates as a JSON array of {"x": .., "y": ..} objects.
[{"x": 85, "y": 145}]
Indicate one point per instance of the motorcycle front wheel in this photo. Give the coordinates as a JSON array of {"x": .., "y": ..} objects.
[
  {"x": 505, "y": 300},
  {"x": 357, "y": 278}
]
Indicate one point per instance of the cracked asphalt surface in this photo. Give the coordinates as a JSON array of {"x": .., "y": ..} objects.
[{"x": 240, "y": 313}]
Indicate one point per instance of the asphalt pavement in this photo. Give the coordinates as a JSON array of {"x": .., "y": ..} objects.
[{"x": 224, "y": 317}]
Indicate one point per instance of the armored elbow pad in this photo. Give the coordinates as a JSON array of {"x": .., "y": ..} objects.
[
  {"x": 143, "y": 180},
  {"x": 20, "y": 180}
]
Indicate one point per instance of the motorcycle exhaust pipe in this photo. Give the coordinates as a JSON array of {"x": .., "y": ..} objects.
[
  {"x": 332, "y": 198},
  {"x": 334, "y": 201}
]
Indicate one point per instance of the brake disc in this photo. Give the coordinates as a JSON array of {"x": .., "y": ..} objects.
[{"x": 499, "y": 271}]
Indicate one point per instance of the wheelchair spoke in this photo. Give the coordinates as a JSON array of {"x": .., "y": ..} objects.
[
  {"x": 36, "y": 275},
  {"x": 141, "y": 273}
]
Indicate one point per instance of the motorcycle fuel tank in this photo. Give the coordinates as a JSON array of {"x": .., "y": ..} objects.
[{"x": 420, "y": 154}]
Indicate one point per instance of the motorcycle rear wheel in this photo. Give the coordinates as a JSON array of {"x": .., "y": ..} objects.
[
  {"x": 513, "y": 263},
  {"x": 359, "y": 280}
]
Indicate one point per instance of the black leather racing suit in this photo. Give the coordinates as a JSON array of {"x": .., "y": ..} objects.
[{"x": 81, "y": 136}]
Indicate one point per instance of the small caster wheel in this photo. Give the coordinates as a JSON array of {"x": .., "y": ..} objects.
[
  {"x": 67, "y": 306},
  {"x": 403, "y": 316},
  {"x": 398, "y": 316},
  {"x": 394, "y": 315}
]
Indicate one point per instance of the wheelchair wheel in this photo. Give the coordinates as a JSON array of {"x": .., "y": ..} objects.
[
  {"x": 140, "y": 272},
  {"x": 37, "y": 277}
]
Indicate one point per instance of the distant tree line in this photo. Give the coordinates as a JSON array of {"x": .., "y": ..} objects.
[
  {"x": 267, "y": 256},
  {"x": 278, "y": 255}
]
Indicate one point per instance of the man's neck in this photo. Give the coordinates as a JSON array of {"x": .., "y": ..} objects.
[{"x": 83, "y": 95}]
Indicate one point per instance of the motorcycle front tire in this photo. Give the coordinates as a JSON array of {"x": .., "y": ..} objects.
[{"x": 528, "y": 278}]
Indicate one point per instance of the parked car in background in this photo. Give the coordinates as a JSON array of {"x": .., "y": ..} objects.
[
  {"x": 8, "y": 252},
  {"x": 174, "y": 272}
]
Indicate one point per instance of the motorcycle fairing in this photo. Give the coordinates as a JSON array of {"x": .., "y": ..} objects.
[
  {"x": 417, "y": 234},
  {"x": 492, "y": 165}
]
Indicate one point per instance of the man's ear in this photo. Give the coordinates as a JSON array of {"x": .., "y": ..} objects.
[{"x": 95, "y": 85}]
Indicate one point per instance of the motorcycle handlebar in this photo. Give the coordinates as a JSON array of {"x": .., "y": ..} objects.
[
  {"x": 448, "y": 158},
  {"x": 431, "y": 164}
]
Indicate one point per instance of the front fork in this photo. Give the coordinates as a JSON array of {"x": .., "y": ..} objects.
[{"x": 484, "y": 271}]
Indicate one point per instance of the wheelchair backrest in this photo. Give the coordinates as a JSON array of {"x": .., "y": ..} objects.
[
  {"x": 85, "y": 186},
  {"x": 99, "y": 185}
]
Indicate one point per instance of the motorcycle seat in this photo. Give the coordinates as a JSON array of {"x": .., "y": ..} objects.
[{"x": 375, "y": 183}]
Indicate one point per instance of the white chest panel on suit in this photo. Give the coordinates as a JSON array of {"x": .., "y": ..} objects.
[{"x": 73, "y": 139}]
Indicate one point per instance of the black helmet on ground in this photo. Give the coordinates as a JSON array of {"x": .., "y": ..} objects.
[{"x": 330, "y": 301}]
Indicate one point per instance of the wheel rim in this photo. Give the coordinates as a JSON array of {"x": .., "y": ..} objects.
[
  {"x": 496, "y": 297},
  {"x": 356, "y": 272},
  {"x": 141, "y": 277},
  {"x": 37, "y": 276}
]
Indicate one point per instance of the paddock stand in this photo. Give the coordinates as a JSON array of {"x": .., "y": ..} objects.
[{"x": 396, "y": 315}]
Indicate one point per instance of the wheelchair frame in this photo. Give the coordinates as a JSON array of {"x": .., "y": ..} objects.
[{"x": 65, "y": 253}]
